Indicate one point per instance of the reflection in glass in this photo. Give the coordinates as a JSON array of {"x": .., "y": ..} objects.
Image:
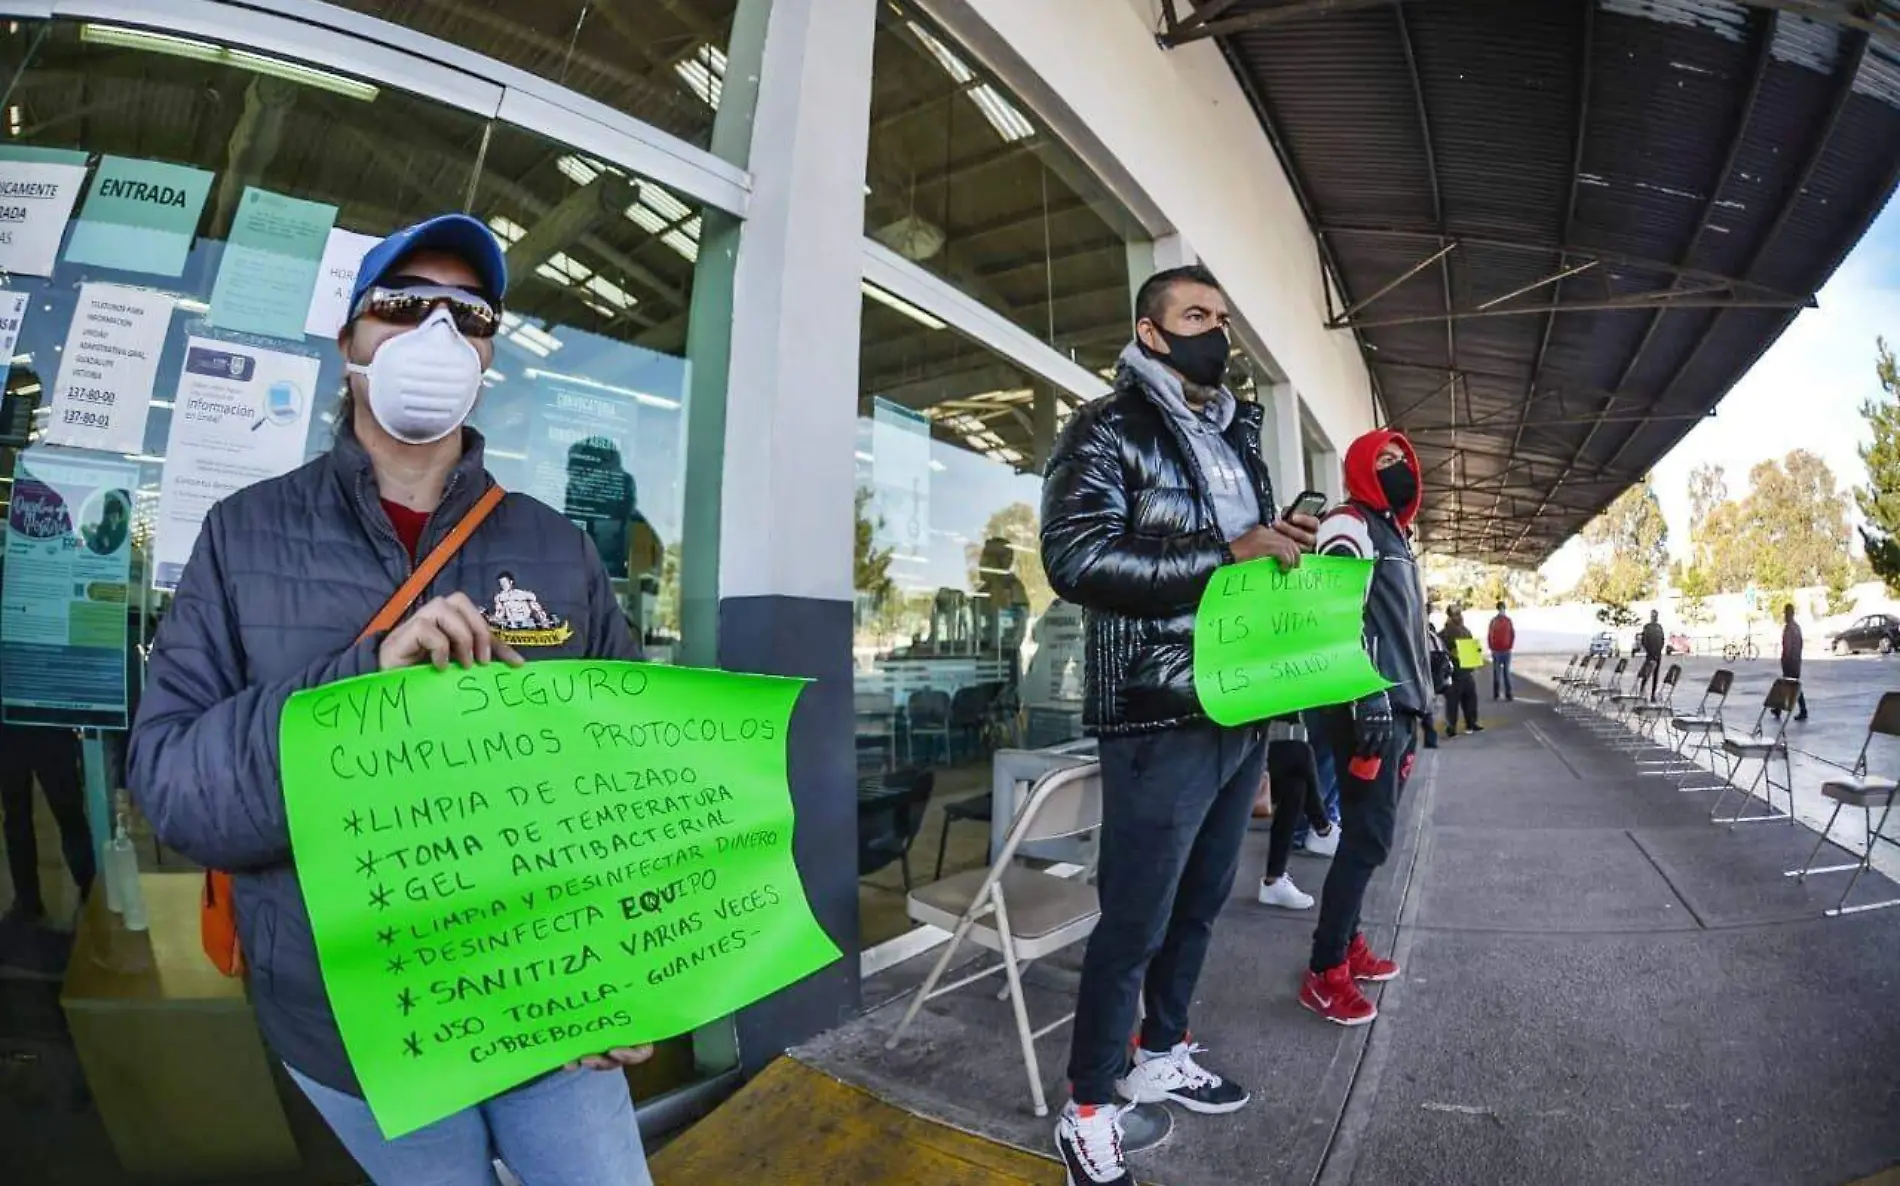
[
  {"x": 965, "y": 184},
  {"x": 660, "y": 61},
  {"x": 961, "y": 647}
]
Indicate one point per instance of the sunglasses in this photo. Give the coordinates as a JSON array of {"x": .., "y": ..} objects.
[{"x": 473, "y": 316}]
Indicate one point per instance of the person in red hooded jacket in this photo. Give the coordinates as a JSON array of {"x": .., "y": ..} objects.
[{"x": 1372, "y": 739}]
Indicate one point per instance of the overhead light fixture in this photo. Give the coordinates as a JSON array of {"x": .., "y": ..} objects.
[
  {"x": 125, "y": 37},
  {"x": 705, "y": 74},
  {"x": 893, "y": 301}
]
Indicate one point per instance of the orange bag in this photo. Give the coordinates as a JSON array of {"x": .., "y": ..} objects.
[{"x": 217, "y": 910}]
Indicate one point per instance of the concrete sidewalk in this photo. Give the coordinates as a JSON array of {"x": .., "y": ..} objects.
[
  {"x": 1841, "y": 692},
  {"x": 1599, "y": 987}
]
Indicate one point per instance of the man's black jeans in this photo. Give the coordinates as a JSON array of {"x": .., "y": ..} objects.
[
  {"x": 1296, "y": 798},
  {"x": 1463, "y": 697},
  {"x": 53, "y": 754},
  {"x": 1368, "y": 819},
  {"x": 1175, "y": 806}
]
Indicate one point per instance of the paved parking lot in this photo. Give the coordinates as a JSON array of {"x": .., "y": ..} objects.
[{"x": 1841, "y": 696}]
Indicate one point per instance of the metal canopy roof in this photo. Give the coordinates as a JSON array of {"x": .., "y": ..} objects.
[{"x": 1561, "y": 230}]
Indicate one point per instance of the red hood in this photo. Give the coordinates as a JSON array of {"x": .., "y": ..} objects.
[{"x": 1362, "y": 476}]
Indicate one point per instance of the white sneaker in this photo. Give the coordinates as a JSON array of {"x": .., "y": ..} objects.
[
  {"x": 1090, "y": 1143},
  {"x": 1322, "y": 846},
  {"x": 1284, "y": 894},
  {"x": 1176, "y": 1076}
]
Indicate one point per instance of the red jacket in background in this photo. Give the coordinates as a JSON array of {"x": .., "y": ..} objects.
[{"x": 1503, "y": 635}]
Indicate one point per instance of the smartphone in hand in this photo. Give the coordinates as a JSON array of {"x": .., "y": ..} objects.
[{"x": 1310, "y": 502}]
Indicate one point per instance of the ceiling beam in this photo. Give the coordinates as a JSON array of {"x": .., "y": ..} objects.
[
  {"x": 1329, "y": 260},
  {"x": 1846, "y": 70},
  {"x": 1341, "y": 319},
  {"x": 1178, "y": 33},
  {"x": 1853, "y": 51},
  {"x": 1189, "y": 29},
  {"x": 1615, "y": 259},
  {"x": 1764, "y": 42},
  {"x": 1438, "y": 210},
  {"x": 1661, "y": 301}
]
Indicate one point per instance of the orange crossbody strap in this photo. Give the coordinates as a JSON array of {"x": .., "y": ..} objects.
[{"x": 400, "y": 601}]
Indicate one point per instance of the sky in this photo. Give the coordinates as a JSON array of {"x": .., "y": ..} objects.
[{"x": 1804, "y": 393}]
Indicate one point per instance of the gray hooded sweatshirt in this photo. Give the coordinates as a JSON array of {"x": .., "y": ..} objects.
[{"x": 1236, "y": 508}]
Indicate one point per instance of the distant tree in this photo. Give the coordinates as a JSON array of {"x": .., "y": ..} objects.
[
  {"x": 1879, "y": 499},
  {"x": 1708, "y": 489},
  {"x": 1695, "y": 585},
  {"x": 1021, "y": 525},
  {"x": 1615, "y": 614},
  {"x": 1629, "y": 546},
  {"x": 1788, "y": 531},
  {"x": 871, "y": 574}
]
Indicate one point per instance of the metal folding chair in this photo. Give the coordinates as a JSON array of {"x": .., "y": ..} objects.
[
  {"x": 1023, "y": 914},
  {"x": 1865, "y": 791},
  {"x": 1568, "y": 675},
  {"x": 1780, "y": 701},
  {"x": 1586, "y": 676},
  {"x": 1649, "y": 717},
  {"x": 1701, "y": 727},
  {"x": 1621, "y": 708},
  {"x": 1601, "y": 697}
]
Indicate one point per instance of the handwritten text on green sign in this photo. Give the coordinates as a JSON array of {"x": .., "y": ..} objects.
[
  {"x": 509, "y": 868},
  {"x": 1268, "y": 643}
]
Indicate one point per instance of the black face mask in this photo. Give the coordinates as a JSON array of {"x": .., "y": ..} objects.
[
  {"x": 1200, "y": 358},
  {"x": 1400, "y": 485}
]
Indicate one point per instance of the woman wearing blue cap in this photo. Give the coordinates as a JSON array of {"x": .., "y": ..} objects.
[{"x": 285, "y": 577}]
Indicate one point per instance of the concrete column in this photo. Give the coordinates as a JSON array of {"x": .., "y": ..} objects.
[
  {"x": 1148, "y": 256},
  {"x": 784, "y": 428},
  {"x": 1280, "y": 440},
  {"x": 1043, "y": 411}
]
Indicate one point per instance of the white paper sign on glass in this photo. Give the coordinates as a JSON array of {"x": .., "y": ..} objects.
[
  {"x": 240, "y": 416},
  {"x": 343, "y": 253},
  {"x": 107, "y": 368},
  {"x": 36, "y": 198},
  {"x": 12, "y": 313}
]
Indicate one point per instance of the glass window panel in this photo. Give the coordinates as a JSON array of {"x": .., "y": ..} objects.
[
  {"x": 960, "y": 645},
  {"x": 963, "y": 182},
  {"x": 584, "y": 406},
  {"x": 661, "y": 61}
]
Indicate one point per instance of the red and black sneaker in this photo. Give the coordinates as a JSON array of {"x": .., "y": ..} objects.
[
  {"x": 1333, "y": 995},
  {"x": 1367, "y": 966}
]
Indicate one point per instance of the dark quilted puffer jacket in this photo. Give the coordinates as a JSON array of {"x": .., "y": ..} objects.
[
  {"x": 1129, "y": 534},
  {"x": 285, "y": 575}
]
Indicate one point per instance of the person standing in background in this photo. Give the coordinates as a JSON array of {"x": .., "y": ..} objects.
[
  {"x": 1500, "y": 638},
  {"x": 1440, "y": 671},
  {"x": 1791, "y": 645},
  {"x": 1463, "y": 693},
  {"x": 53, "y": 754},
  {"x": 1652, "y": 641}
]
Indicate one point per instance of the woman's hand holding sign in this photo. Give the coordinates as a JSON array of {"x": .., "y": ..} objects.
[{"x": 446, "y": 629}]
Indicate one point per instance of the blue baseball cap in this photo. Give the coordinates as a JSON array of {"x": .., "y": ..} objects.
[{"x": 457, "y": 234}]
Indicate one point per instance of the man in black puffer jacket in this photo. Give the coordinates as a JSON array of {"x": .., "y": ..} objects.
[{"x": 1149, "y": 491}]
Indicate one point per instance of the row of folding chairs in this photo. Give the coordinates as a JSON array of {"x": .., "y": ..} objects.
[{"x": 1630, "y": 720}]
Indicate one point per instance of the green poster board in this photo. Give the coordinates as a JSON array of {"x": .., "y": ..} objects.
[
  {"x": 1268, "y": 643},
  {"x": 1470, "y": 655},
  {"x": 507, "y": 869}
]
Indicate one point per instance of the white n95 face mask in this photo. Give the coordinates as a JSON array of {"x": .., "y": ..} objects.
[{"x": 423, "y": 383}]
